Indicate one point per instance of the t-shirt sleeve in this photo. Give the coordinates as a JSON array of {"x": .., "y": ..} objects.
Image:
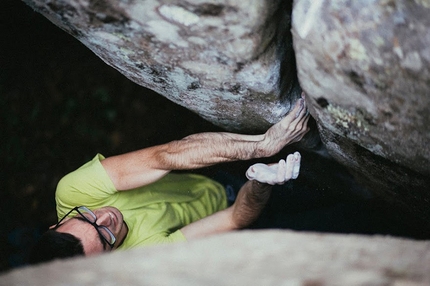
[
  {"x": 89, "y": 185},
  {"x": 177, "y": 236}
]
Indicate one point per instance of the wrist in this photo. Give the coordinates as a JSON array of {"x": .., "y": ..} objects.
[
  {"x": 260, "y": 185},
  {"x": 262, "y": 148}
]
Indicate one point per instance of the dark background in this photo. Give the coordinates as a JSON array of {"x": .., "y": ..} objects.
[{"x": 60, "y": 105}]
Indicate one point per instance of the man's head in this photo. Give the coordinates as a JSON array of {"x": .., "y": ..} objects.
[
  {"x": 85, "y": 233},
  {"x": 53, "y": 245}
]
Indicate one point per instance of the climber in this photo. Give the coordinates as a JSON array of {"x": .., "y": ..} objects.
[{"x": 133, "y": 200}]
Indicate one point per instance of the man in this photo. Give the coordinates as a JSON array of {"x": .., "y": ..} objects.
[{"x": 131, "y": 199}]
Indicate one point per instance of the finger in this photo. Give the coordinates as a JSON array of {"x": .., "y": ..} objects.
[
  {"x": 308, "y": 116},
  {"x": 280, "y": 172},
  {"x": 293, "y": 114},
  {"x": 296, "y": 166},
  {"x": 301, "y": 135},
  {"x": 289, "y": 169},
  {"x": 302, "y": 108},
  {"x": 297, "y": 123},
  {"x": 301, "y": 130},
  {"x": 302, "y": 125},
  {"x": 251, "y": 172},
  {"x": 304, "y": 120}
]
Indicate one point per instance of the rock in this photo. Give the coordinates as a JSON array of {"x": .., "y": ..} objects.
[
  {"x": 365, "y": 66},
  {"x": 216, "y": 59},
  {"x": 246, "y": 258}
]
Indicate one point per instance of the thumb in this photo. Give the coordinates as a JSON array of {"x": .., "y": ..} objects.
[{"x": 251, "y": 172}]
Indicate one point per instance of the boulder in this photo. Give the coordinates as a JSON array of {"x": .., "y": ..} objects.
[
  {"x": 365, "y": 66},
  {"x": 218, "y": 59},
  {"x": 272, "y": 257}
]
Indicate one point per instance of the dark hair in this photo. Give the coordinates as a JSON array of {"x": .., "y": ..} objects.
[{"x": 53, "y": 244}]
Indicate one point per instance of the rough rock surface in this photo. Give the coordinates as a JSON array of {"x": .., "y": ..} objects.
[
  {"x": 217, "y": 58},
  {"x": 247, "y": 258},
  {"x": 365, "y": 66}
]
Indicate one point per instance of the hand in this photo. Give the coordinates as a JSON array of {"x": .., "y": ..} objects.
[
  {"x": 289, "y": 130},
  {"x": 277, "y": 173}
]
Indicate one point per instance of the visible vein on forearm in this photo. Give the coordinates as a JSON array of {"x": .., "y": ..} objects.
[{"x": 209, "y": 148}]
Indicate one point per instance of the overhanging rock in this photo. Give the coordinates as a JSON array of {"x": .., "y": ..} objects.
[
  {"x": 218, "y": 59},
  {"x": 365, "y": 66},
  {"x": 247, "y": 258}
]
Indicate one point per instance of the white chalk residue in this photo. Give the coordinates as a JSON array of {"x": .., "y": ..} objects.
[
  {"x": 309, "y": 16},
  {"x": 178, "y": 15},
  {"x": 412, "y": 61},
  {"x": 166, "y": 32},
  {"x": 260, "y": 77},
  {"x": 108, "y": 37}
]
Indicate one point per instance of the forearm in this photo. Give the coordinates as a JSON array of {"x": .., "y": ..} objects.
[
  {"x": 250, "y": 201},
  {"x": 147, "y": 165},
  {"x": 205, "y": 149}
]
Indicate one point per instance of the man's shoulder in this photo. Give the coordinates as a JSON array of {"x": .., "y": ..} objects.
[{"x": 90, "y": 181}]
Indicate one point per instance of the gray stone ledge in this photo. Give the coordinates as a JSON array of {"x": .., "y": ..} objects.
[{"x": 268, "y": 257}]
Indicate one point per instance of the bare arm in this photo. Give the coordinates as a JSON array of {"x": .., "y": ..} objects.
[
  {"x": 251, "y": 200},
  {"x": 147, "y": 165}
]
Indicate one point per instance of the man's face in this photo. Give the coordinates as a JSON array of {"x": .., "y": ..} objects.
[{"x": 92, "y": 242}]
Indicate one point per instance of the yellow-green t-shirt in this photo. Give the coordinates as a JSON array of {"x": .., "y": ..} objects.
[{"x": 153, "y": 213}]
